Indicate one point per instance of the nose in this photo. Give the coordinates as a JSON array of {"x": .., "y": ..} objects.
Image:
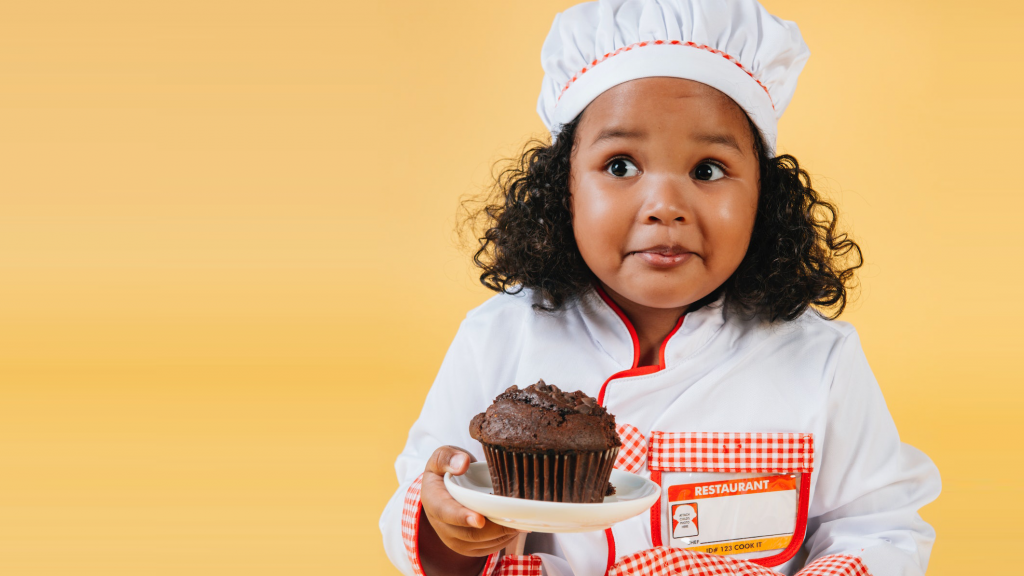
[{"x": 665, "y": 201}]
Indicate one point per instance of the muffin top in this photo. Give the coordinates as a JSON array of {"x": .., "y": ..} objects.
[{"x": 543, "y": 418}]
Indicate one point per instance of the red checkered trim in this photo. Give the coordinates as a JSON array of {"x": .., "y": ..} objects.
[
  {"x": 411, "y": 524},
  {"x": 633, "y": 454},
  {"x": 731, "y": 452},
  {"x": 511, "y": 565},
  {"x": 635, "y": 45},
  {"x": 411, "y": 513},
  {"x": 491, "y": 564},
  {"x": 678, "y": 562},
  {"x": 836, "y": 565}
]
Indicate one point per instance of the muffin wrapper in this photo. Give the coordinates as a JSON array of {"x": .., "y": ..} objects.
[{"x": 580, "y": 477}]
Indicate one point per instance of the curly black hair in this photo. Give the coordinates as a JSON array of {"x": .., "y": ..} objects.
[{"x": 797, "y": 258}]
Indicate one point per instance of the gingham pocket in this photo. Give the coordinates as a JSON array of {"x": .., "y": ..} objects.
[
  {"x": 633, "y": 453},
  {"x": 742, "y": 495}
]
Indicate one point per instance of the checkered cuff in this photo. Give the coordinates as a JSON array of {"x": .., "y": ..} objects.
[
  {"x": 511, "y": 565},
  {"x": 633, "y": 454},
  {"x": 678, "y": 562},
  {"x": 491, "y": 564},
  {"x": 412, "y": 511},
  {"x": 836, "y": 565}
]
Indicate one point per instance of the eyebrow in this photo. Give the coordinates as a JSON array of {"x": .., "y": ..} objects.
[
  {"x": 718, "y": 138},
  {"x": 705, "y": 137},
  {"x": 611, "y": 133}
]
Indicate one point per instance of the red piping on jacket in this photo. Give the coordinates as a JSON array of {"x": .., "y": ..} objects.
[
  {"x": 656, "y": 511},
  {"x": 635, "y": 370},
  {"x": 611, "y": 549}
]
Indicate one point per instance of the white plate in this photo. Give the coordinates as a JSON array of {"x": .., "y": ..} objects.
[{"x": 633, "y": 495}]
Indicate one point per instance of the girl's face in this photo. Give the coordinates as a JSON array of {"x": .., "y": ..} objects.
[{"x": 664, "y": 187}]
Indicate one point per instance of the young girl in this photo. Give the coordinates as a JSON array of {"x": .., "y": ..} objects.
[{"x": 659, "y": 257}]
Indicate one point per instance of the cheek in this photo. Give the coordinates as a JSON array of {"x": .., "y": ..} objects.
[
  {"x": 601, "y": 222},
  {"x": 729, "y": 225}
]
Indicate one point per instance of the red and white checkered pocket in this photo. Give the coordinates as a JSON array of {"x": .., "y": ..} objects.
[
  {"x": 743, "y": 495},
  {"x": 633, "y": 453}
]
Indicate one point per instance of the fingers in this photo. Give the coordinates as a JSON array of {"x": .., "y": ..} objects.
[
  {"x": 439, "y": 505},
  {"x": 449, "y": 459},
  {"x": 460, "y": 528},
  {"x": 492, "y": 546},
  {"x": 489, "y": 532}
]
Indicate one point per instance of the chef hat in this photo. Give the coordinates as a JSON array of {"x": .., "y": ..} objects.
[{"x": 735, "y": 46}]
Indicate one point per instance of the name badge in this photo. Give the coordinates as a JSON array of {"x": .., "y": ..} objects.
[{"x": 738, "y": 515}]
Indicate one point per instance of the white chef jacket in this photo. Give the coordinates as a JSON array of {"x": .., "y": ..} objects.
[{"x": 718, "y": 373}]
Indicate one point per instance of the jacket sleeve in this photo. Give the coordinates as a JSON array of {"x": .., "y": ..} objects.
[
  {"x": 864, "y": 511},
  {"x": 458, "y": 394}
]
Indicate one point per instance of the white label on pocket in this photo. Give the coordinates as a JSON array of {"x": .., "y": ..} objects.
[{"x": 736, "y": 516}]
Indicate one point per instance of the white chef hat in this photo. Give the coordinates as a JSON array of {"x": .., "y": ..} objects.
[{"x": 735, "y": 46}]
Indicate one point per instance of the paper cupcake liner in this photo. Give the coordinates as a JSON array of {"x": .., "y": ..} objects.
[{"x": 580, "y": 477}]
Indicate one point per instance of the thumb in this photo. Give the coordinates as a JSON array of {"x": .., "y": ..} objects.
[{"x": 449, "y": 459}]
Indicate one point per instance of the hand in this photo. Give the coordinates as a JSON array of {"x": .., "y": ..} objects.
[{"x": 459, "y": 528}]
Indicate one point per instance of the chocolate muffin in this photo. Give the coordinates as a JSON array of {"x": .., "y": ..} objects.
[{"x": 545, "y": 444}]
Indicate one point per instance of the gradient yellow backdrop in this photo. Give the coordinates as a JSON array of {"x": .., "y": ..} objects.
[{"x": 228, "y": 272}]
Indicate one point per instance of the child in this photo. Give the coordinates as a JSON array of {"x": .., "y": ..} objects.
[{"x": 659, "y": 257}]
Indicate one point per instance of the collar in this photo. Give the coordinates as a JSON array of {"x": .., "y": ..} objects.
[{"x": 614, "y": 334}]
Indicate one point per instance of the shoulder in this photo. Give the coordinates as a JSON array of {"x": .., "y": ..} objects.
[
  {"x": 503, "y": 308},
  {"x": 808, "y": 327},
  {"x": 511, "y": 323},
  {"x": 498, "y": 334},
  {"x": 809, "y": 338},
  {"x": 513, "y": 307},
  {"x": 511, "y": 314},
  {"x": 810, "y": 324},
  {"x": 807, "y": 354},
  {"x": 501, "y": 305}
]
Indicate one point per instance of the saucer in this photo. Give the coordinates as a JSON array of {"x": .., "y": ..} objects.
[{"x": 634, "y": 495}]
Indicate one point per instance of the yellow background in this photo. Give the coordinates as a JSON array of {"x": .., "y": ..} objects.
[{"x": 228, "y": 273}]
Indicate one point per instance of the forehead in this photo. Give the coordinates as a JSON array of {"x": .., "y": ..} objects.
[{"x": 660, "y": 104}]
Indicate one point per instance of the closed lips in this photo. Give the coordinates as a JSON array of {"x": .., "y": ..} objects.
[
  {"x": 663, "y": 255},
  {"x": 663, "y": 250}
]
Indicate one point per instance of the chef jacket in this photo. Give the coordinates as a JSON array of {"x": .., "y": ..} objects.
[{"x": 791, "y": 401}]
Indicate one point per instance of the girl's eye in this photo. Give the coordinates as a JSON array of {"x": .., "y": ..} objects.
[
  {"x": 708, "y": 171},
  {"x": 622, "y": 168}
]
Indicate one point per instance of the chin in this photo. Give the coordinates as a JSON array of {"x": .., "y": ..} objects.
[{"x": 663, "y": 297}]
